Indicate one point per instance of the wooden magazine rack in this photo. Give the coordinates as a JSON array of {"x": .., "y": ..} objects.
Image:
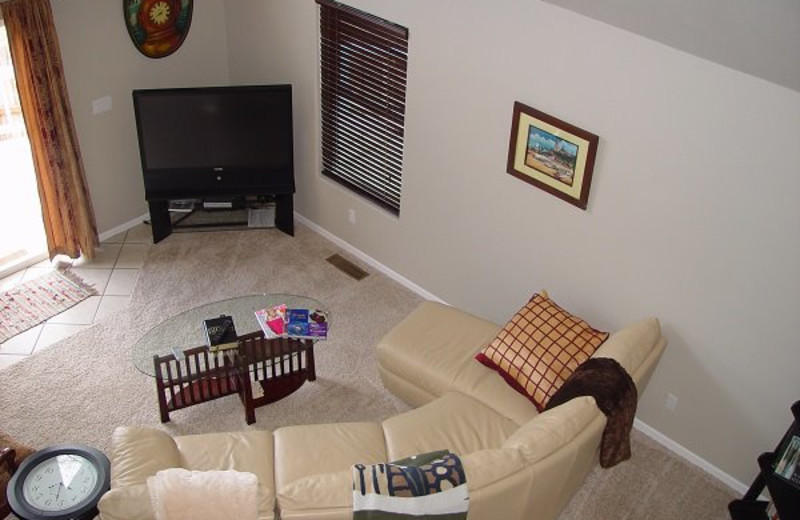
[{"x": 279, "y": 366}]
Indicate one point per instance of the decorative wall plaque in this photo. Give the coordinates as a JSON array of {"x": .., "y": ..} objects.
[{"x": 158, "y": 27}]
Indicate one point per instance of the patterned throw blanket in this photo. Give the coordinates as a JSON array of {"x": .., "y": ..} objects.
[{"x": 428, "y": 486}]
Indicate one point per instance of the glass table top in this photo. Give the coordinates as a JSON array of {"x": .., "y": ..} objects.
[{"x": 185, "y": 330}]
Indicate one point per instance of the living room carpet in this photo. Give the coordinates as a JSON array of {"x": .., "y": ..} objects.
[
  {"x": 37, "y": 300},
  {"x": 79, "y": 389}
]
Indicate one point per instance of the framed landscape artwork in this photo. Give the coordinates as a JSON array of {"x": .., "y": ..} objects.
[{"x": 551, "y": 154}]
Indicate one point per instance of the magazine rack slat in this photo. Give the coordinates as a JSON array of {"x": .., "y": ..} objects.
[{"x": 278, "y": 366}]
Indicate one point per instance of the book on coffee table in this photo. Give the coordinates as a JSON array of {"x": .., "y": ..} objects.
[{"x": 220, "y": 333}]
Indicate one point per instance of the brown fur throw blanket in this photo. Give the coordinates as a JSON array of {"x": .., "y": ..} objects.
[{"x": 616, "y": 396}]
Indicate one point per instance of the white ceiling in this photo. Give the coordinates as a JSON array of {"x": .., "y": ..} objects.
[{"x": 759, "y": 37}]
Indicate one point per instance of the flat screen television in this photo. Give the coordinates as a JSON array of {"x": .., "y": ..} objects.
[{"x": 215, "y": 141}]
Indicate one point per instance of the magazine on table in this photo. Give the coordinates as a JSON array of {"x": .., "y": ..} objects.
[
  {"x": 272, "y": 321},
  {"x": 788, "y": 466},
  {"x": 306, "y": 323}
]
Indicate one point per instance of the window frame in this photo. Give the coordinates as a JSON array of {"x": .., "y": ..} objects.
[{"x": 363, "y": 84}]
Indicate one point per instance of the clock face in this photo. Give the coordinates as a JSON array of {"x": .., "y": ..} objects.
[{"x": 60, "y": 482}]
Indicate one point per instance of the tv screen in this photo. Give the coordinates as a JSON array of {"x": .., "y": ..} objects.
[{"x": 215, "y": 140}]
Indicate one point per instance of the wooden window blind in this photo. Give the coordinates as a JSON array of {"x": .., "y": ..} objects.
[{"x": 363, "y": 62}]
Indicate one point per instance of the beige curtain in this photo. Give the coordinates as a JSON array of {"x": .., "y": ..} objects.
[{"x": 66, "y": 206}]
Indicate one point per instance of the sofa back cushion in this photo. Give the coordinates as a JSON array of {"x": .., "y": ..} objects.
[
  {"x": 454, "y": 422},
  {"x": 552, "y": 429},
  {"x": 138, "y": 452},
  {"x": 631, "y": 345},
  {"x": 431, "y": 347}
]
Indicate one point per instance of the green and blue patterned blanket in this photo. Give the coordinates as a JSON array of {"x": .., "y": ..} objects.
[{"x": 430, "y": 486}]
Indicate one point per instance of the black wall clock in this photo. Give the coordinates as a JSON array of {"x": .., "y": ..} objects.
[
  {"x": 157, "y": 27},
  {"x": 59, "y": 483}
]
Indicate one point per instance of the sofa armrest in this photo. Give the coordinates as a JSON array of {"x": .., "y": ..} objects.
[
  {"x": 138, "y": 453},
  {"x": 485, "y": 467},
  {"x": 551, "y": 430}
]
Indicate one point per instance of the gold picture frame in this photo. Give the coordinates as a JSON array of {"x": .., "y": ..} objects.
[{"x": 551, "y": 154}]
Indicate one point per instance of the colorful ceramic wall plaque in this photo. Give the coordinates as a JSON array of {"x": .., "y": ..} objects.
[{"x": 158, "y": 27}]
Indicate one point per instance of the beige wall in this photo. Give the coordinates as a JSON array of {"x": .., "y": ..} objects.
[
  {"x": 100, "y": 60},
  {"x": 692, "y": 216}
]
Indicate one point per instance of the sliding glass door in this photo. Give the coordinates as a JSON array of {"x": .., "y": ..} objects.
[{"x": 22, "y": 238}]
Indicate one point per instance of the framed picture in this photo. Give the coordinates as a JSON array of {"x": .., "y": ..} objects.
[{"x": 551, "y": 154}]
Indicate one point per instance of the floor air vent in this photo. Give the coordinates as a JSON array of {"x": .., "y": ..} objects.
[{"x": 347, "y": 267}]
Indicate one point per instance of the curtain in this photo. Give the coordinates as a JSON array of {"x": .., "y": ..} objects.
[{"x": 66, "y": 206}]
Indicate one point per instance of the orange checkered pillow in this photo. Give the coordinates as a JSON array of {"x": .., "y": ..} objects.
[{"x": 540, "y": 347}]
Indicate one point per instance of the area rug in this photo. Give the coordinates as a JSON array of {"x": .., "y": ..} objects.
[{"x": 40, "y": 299}]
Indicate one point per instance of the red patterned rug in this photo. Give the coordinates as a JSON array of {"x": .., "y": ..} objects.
[{"x": 40, "y": 299}]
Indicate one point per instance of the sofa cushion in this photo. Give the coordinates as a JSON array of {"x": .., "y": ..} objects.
[
  {"x": 126, "y": 503},
  {"x": 551, "y": 430},
  {"x": 138, "y": 453},
  {"x": 454, "y": 422},
  {"x": 490, "y": 388},
  {"x": 247, "y": 451},
  {"x": 320, "y": 491},
  {"x": 302, "y": 451},
  {"x": 436, "y": 339},
  {"x": 432, "y": 345},
  {"x": 538, "y": 349}
]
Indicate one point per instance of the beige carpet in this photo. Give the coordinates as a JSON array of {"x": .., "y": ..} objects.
[{"x": 81, "y": 388}]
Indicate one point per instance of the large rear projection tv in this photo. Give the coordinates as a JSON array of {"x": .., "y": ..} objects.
[{"x": 215, "y": 141}]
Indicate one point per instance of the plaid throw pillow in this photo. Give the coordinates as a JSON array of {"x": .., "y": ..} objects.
[{"x": 540, "y": 347}]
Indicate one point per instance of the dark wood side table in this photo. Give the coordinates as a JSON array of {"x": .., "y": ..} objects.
[{"x": 784, "y": 493}]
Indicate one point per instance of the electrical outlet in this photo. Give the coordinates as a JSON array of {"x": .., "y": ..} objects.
[
  {"x": 351, "y": 216},
  {"x": 101, "y": 105},
  {"x": 671, "y": 402}
]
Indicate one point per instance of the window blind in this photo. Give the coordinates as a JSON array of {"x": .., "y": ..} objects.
[{"x": 363, "y": 66}]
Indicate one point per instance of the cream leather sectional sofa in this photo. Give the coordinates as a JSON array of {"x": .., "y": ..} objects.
[{"x": 520, "y": 464}]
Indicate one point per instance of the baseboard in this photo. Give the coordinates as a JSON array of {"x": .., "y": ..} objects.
[
  {"x": 690, "y": 457},
  {"x": 364, "y": 257},
  {"x": 123, "y": 227},
  {"x": 651, "y": 432}
]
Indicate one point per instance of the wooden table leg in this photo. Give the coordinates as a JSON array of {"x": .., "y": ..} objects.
[
  {"x": 310, "y": 366},
  {"x": 162, "y": 398}
]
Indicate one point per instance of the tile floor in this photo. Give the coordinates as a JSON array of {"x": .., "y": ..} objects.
[{"x": 112, "y": 272}]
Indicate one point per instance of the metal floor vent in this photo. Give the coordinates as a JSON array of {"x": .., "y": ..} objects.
[{"x": 347, "y": 267}]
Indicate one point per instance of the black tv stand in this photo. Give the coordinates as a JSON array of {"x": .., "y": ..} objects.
[{"x": 162, "y": 225}]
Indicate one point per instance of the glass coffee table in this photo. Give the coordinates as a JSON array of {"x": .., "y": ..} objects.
[{"x": 187, "y": 373}]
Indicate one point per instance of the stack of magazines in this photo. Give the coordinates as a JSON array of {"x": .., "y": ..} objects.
[{"x": 281, "y": 322}]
